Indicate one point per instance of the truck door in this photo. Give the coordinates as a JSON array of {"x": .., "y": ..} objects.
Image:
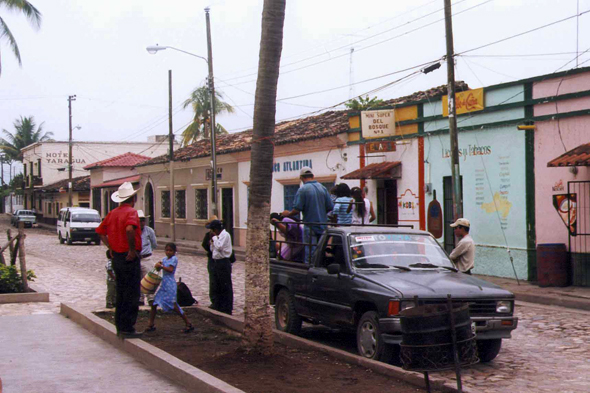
[{"x": 329, "y": 294}]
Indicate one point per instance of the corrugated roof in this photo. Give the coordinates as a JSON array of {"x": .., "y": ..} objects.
[
  {"x": 314, "y": 127},
  {"x": 118, "y": 182},
  {"x": 580, "y": 156},
  {"x": 380, "y": 170},
  {"x": 124, "y": 160},
  {"x": 81, "y": 183}
]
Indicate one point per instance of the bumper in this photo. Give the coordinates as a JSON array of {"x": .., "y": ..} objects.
[
  {"x": 84, "y": 236},
  {"x": 27, "y": 223},
  {"x": 487, "y": 328}
]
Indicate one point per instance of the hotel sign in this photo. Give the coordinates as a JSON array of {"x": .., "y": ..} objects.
[
  {"x": 378, "y": 124},
  {"x": 465, "y": 101},
  {"x": 380, "y": 147}
]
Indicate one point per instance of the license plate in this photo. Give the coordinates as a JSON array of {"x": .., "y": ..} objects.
[{"x": 473, "y": 328}]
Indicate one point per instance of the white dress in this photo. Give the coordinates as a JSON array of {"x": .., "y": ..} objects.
[{"x": 356, "y": 218}]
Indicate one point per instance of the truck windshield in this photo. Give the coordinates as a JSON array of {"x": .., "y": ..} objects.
[
  {"x": 25, "y": 213},
  {"x": 85, "y": 218},
  {"x": 382, "y": 251}
]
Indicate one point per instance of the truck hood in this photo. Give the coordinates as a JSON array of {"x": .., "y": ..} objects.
[{"x": 434, "y": 283}]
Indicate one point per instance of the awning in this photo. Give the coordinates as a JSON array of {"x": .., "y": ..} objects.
[
  {"x": 381, "y": 170},
  {"x": 580, "y": 156},
  {"x": 118, "y": 182}
]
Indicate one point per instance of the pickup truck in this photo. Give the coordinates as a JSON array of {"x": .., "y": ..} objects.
[
  {"x": 26, "y": 216},
  {"x": 361, "y": 278}
]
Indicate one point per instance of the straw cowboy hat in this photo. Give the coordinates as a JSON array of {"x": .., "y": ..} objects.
[
  {"x": 213, "y": 218},
  {"x": 124, "y": 192},
  {"x": 141, "y": 214}
]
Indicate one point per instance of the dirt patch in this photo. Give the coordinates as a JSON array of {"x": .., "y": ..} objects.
[{"x": 216, "y": 350}]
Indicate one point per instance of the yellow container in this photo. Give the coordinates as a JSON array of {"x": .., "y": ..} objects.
[{"x": 149, "y": 284}]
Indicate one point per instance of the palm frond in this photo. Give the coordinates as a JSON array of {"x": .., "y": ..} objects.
[
  {"x": 6, "y": 34},
  {"x": 32, "y": 13}
]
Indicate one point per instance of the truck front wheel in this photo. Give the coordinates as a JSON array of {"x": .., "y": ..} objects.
[
  {"x": 368, "y": 339},
  {"x": 488, "y": 349},
  {"x": 286, "y": 318}
]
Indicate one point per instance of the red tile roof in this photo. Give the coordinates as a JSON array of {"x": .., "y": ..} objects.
[
  {"x": 380, "y": 170},
  {"x": 124, "y": 160},
  {"x": 314, "y": 127},
  {"x": 81, "y": 183},
  {"x": 580, "y": 156},
  {"x": 118, "y": 182}
]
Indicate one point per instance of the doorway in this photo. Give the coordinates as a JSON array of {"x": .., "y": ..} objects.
[
  {"x": 149, "y": 204},
  {"x": 227, "y": 210},
  {"x": 387, "y": 212},
  {"x": 449, "y": 234}
]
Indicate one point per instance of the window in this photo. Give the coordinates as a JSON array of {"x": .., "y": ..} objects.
[
  {"x": 49, "y": 208},
  {"x": 328, "y": 185},
  {"x": 166, "y": 204},
  {"x": 180, "y": 203},
  {"x": 201, "y": 207},
  {"x": 40, "y": 205},
  {"x": 289, "y": 197}
]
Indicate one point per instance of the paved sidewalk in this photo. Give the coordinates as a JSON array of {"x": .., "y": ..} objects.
[{"x": 50, "y": 353}]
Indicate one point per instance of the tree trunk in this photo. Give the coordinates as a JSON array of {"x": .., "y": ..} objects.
[{"x": 258, "y": 334}]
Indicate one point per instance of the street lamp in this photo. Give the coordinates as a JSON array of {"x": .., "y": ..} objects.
[{"x": 155, "y": 49}]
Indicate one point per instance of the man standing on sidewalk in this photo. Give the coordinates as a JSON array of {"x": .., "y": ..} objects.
[
  {"x": 314, "y": 201},
  {"x": 148, "y": 245},
  {"x": 120, "y": 231},
  {"x": 221, "y": 249},
  {"x": 464, "y": 254}
]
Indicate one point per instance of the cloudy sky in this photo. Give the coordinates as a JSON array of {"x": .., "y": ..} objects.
[{"x": 96, "y": 50}]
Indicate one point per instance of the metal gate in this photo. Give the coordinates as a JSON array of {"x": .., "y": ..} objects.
[{"x": 578, "y": 217}]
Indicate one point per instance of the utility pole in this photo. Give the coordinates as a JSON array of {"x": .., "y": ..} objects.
[
  {"x": 70, "y": 161},
  {"x": 171, "y": 144},
  {"x": 456, "y": 173},
  {"x": 212, "y": 115}
]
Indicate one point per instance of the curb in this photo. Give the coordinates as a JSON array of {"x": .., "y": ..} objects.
[
  {"x": 190, "y": 377},
  {"x": 410, "y": 377},
  {"x": 552, "y": 301},
  {"x": 27, "y": 297}
]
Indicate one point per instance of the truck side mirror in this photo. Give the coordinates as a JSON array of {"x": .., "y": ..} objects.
[{"x": 333, "y": 268}]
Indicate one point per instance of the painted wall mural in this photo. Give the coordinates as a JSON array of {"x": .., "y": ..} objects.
[{"x": 567, "y": 208}]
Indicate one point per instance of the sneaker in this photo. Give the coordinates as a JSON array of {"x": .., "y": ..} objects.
[{"x": 134, "y": 334}]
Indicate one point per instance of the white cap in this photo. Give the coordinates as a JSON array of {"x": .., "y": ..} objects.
[
  {"x": 462, "y": 221},
  {"x": 306, "y": 171}
]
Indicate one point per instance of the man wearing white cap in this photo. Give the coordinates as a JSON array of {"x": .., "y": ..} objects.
[
  {"x": 120, "y": 232},
  {"x": 148, "y": 245},
  {"x": 464, "y": 254}
]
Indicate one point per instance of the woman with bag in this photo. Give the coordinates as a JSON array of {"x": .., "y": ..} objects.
[{"x": 166, "y": 295}]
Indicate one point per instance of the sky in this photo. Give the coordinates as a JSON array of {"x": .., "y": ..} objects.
[{"x": 96, "y": 51}]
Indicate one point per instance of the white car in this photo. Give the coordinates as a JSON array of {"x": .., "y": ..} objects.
[{"x": 78, "y": 224}]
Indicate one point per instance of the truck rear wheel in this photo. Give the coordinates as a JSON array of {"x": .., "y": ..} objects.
[
  {"x": 369, "y": 342},
  {"x": 488, "y": 349},
  {"x": 61, "y": 239},
  {"x": 286, "y": 318}
]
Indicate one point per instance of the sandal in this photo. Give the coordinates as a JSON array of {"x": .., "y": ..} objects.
[
  {"x": 188, "y": 329},
  {"x": 150, "y": 329}
]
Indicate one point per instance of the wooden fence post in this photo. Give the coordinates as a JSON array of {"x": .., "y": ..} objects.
[
  {"x": 11, "y": 247},
  {"x": 21, "y": 255}
]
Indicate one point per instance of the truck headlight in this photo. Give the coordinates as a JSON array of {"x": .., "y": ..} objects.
[
  {"x": 407, "y": 304},
  {"x": 504, "y": 306}
]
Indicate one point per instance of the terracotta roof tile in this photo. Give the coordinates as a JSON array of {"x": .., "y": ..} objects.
[
  {"x": 124, "y": 160},
  {"x": 314, "y": 127},
  {"x": 380, "y": 170},
  {"x": 81, "y": 183},
  {"x": 118, "y": 182},
  {"x": 580, "y": 156}
]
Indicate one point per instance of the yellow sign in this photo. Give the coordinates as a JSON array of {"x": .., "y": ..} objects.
[{"x": 466, "y": 101}]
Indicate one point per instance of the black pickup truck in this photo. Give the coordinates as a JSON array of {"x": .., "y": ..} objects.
[{"x": 360, "y": 278}]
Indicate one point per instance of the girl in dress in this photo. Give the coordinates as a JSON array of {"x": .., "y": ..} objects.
[{"x": 166, "y": 296}]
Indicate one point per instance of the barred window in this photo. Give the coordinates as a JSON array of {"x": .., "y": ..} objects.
[
  {"x": 201, "y": 206},
  {"x": 166, "y": 204},
  {"x": 180, "y": 203}
]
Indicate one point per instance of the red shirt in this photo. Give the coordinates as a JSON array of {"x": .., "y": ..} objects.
[{"x": 114, "y": 227}]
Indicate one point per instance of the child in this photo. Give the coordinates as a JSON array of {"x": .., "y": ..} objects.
[
  {"x": 111, "y": 285},
  {"x": 166, "y": 295}
]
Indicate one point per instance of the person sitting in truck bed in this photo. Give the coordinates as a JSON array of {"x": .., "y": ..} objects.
[{"x": 293, "y": 234}]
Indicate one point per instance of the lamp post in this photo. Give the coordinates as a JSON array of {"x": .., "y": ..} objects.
[
  {"x": 211, "y": 85},
  {"x": 71, "y": 162}
]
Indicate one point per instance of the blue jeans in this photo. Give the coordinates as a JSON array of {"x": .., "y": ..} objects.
[{"x": 309, "y": 236}]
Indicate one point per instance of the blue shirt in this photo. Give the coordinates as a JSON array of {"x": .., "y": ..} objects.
[
  {"x": 340, "y": 207},
  {"x": 314, "y": 201}
]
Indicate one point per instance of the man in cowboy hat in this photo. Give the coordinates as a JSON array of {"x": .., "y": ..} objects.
[
  {"x": 148, "y": 245},
  {"x": 464, "y": 254},
  {"x": 120, "y": 232}
]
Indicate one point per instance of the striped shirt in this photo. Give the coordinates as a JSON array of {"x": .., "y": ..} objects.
[{"x": 340, "y": 207}]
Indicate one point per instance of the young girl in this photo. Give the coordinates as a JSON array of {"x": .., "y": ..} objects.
[{"x": 166, "y": 296}]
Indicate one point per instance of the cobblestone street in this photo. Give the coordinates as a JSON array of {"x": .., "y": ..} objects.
[{"x": 546, "y": 354}]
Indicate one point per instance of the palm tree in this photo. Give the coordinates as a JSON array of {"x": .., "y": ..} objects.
[
  {"x": 26, "y": 133},
  {"x": 257, "y": 335},
  {"x": 200, "y": 102},
  {"x": 362, "y": 104},
  {"x": 22, "y": 6}
]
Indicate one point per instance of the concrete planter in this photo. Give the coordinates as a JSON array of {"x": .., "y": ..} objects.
[{"x": 28, "y": 297}]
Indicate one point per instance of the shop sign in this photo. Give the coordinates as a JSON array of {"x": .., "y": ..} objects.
[
  {"x": 378, "y": 124},
  {"x": 209, "y": 173},
  {"x": 407, "y": 204},
  {"x": 380, "y": 147},
  {"x": 465, "y": 102},
  {"x": 290, "y": 166},
  {"x": 567, "y": 207}
]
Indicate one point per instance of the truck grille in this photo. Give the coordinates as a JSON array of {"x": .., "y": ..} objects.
[{"x": 476, "y": 307}]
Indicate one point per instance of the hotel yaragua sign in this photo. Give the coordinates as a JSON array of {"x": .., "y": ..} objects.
[{"x": 378, "y": 124}]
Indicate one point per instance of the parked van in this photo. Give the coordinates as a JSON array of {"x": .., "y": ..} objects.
[{"x": 78, "y": 224}]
